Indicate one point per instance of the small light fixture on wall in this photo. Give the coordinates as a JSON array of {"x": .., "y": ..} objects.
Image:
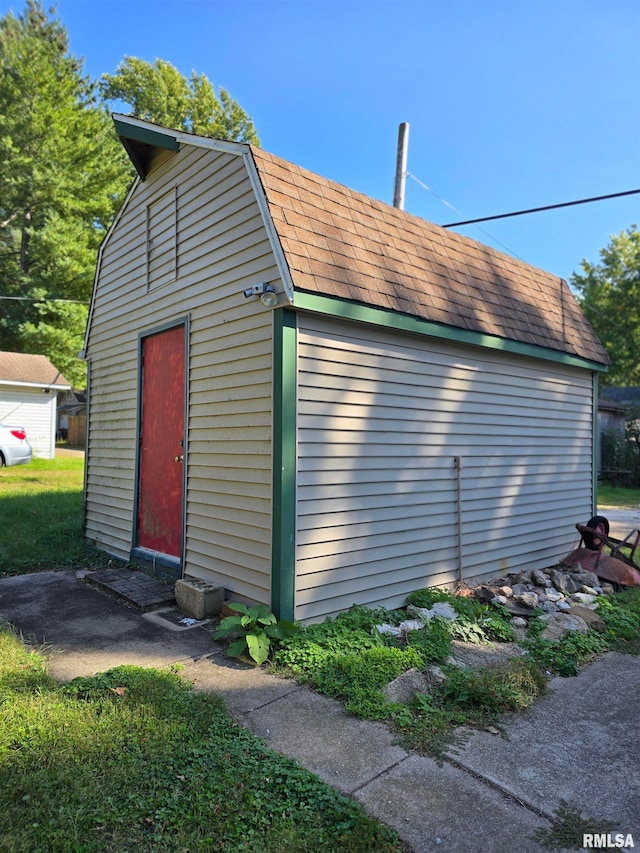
[{"x": 265, "y": 291}]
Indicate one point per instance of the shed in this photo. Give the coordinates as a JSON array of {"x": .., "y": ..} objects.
[
  {"x": 409, "y": 408},
  {"x": 29, "y": 388}
]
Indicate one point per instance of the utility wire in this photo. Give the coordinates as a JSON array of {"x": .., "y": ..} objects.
[
  {"x": 539, "y": 209},
  {"x": 455, "y": 209},
  {"x": 43, "y": 299}
]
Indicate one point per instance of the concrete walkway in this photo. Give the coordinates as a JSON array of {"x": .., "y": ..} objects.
[
  {"x": 621, "y": 521},
  {"x": 579, "y": 743}
]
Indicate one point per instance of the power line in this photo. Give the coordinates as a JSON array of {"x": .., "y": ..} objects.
[
  {"x": 446, "y": 203},
  {"x": 42, "y": 299},
  {"x": 540, "y": 209}
]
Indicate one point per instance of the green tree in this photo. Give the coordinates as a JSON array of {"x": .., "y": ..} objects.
[
  {"x": 609, "y": 294},
  {"x": 62, "y": 176},
  {"x": 158, "y": 92}
]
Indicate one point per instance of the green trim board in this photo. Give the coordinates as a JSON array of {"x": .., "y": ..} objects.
[
  {"x": 139, "y": 143},
  {"x": 150, "y": 136},
  {"x": 595, "y": 441},
  {"x": 344, "y": 309},
  {"x": 285, "y": 342}
]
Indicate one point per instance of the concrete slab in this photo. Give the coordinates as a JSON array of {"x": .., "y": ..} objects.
[
  {"x": 243, "y": 687},
  {"x": 87, "y": 632},
  {"x": 316, "y": 730},
  {"x": 444, "y": 809},
  {"x": 578, "y": 744}
]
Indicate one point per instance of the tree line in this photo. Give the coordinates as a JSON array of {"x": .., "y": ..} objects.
[{"x": 64, "y": 174}]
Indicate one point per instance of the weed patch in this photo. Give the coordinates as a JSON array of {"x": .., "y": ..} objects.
[
  {"x": 569, "y": 828},
  {"x": 621, "y": 615},
  {"x": 348, "y": 658}
]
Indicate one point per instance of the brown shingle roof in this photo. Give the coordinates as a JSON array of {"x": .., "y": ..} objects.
[
  {"x": 33, "y": 369},
  {"x": 341, "y": 243}
]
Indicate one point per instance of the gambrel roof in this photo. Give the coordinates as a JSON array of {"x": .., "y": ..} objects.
[
  {"x": 342, "y": 243},
  {"x": 336, "y": 242},
  {"x": 25, "y": 369}
]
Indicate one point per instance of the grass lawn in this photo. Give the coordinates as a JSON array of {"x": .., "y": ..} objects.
[
  {"x": 620, "y": 497},
  {"x": 41, "y": 511},
  {"x": 135, "y": 760}
]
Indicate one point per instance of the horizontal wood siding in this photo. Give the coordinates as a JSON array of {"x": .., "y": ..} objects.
[
  {"x": 222, "y": 248},
  {"x": 381, "y": 418},
  {"x": 34, "y": 410}
]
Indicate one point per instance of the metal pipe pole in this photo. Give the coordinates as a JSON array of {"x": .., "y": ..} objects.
[
  {"x": 457, "y": 465},
  {"x": 401, "y": 166}
]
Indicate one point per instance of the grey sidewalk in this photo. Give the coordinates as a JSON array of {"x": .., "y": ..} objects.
[{"x": 578, "y": 744}]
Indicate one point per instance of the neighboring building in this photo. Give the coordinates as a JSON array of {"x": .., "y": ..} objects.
[
  {"x": 626, "y": 398},
  {"x": 72, "y": 417},
  {"x": 29, "y": 389},
  {"x": 614, "y": 408},
  {"x": 415, "y": 409}
]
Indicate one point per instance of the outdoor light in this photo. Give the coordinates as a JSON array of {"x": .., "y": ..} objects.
[
  {"x": 265, "y": 291},
  {"x": 269, "y": 297}
]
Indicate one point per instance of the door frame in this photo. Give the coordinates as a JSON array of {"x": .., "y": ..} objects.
[{"x": 153, "y": 562}]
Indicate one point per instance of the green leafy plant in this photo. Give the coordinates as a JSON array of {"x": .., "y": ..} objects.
[
  {"x": 257, "y": 627},
  {"x": 313, "y": 646},
  {"x": 563, "y": 656},
  {"x": 621, "y": 615},
  {"x": 476, "y": 622}
]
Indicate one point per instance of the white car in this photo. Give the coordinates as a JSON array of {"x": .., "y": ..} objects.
[{"x": 14, "y": 446}]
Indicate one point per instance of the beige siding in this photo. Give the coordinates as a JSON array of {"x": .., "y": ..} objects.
[
  {"x": 222, "y": 248},
  {"x": 380, "y": 420}
]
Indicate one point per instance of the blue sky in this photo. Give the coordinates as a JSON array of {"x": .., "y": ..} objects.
[{"x": 511, "y": 104}]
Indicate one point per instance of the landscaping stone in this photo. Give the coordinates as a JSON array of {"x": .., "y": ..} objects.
[
  {"x": 519, "y": 622},
  {"x": 484, "y": 593},
  {"x": 476, "y": 656},
  {"x": 553, "y": 595},
  {"x": 517, "y": 609},
  {"x": 563, "y": 582},
  {"x": 519, "y": 588},
  {"x": 589, "y": 590},
  {"x": 540, "y": 578},
  {"x": 405, "y": 686},
  {"x": 440, "y": 608},
  {"x": 592, "y": 619},
  {"x": 587, "y": 578},
  {"x": 583, "y": 598},
  {"x": 607, "y": 589},
  {"x": 559, "y": 624},
  {"x": 526, "y": 599},
  {"x": 505, "y": 590},
  {"x": 499, "y": 599}
]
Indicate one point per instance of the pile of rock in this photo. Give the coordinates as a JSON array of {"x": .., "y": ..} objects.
[{"x": 567, "y": 599}]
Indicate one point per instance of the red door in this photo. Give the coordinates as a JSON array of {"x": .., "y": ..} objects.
[{"x": 159, "y": 523}]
